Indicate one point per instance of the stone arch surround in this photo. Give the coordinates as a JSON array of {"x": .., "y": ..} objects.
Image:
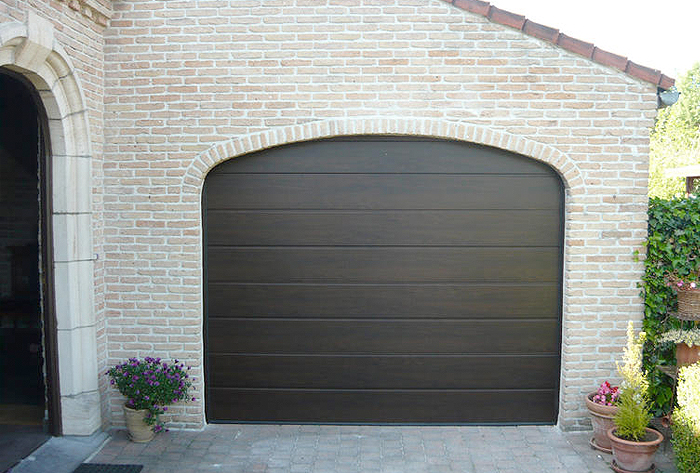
[
  {"x": 565, "y": 167},
  {"x": 31, "y": 50}
]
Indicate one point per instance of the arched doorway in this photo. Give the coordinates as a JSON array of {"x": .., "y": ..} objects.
[{"x": 28, "y": 392}]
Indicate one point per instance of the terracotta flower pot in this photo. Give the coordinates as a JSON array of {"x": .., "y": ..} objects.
[
  {"x": 139, "y": 431},
  {"x": 634, "y": 457},
  {"x": 602, "y": 420},
  {"x": 686, "y": 355}
]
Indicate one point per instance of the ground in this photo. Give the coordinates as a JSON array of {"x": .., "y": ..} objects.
[{"x": 339, "y": 449}]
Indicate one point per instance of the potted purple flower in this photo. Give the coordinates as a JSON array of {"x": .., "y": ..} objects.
[{"x": 150, "y": 386}]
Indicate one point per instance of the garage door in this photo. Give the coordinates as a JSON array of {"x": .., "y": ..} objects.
[{"x": 383, "y": 280}]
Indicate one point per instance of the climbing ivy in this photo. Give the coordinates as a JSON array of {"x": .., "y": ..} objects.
[{"x": 673, "y": 247}]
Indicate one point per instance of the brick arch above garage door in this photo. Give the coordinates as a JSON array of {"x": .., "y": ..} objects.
[
  {"x": 567, "y": 168},
  {"x": 383, "y": 279}
]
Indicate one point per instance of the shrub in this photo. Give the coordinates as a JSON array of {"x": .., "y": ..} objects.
[
  {"x": 151, "y": 384},
  {"x": 672, "y": 247},
  {"x": 690, "y": 337},
  {"x": 633, "y": 413},
  {"x": 686, "y": 421}
]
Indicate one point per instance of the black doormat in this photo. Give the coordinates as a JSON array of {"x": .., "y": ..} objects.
[{"x": 105, "y": 468}]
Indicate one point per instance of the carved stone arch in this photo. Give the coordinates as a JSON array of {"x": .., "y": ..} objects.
[{"x": 31, "y": 50}]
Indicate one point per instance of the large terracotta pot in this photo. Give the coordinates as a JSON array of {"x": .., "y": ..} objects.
[
  {"x": 634, "y": 457},
  {"x": 139, "y": 431},
  {"x": 686, "y": 355},
  {"x": 602, "y": 420}
]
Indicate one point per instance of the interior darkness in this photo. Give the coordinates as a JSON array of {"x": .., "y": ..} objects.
[{"x": 22, "y": 392}]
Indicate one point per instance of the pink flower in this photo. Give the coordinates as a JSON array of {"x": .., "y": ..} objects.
[{"x": 606, "y": 395}]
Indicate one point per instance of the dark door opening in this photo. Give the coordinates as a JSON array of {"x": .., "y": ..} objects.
[{"x": 24, "y": 419}]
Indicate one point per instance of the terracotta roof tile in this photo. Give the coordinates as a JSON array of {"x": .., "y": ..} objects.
[
  {"x": 506, "y": 18},
  {"x": 574, "y": 45},
  {"x": 666, "y": 82},
  {"x": 541, "y": 31},
  {"x": 644, "y": 73},
  {"x": 474, "y": 6},
  {"x": 609, "y": 59}
]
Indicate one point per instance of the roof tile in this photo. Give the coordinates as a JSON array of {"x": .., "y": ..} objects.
[
  {"x": 506, "y": 18},
  {"x": 574, "y": 45},
  {"x": 541, "y": 31},
  {"x": 609, "y": 59},
  {"x": 666, "y": 82},
  {"x": 645, "y": 73},
  {"x": 474, "y": 6}
]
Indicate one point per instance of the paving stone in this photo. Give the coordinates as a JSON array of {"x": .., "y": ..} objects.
[{"x": 364, "y": 449}]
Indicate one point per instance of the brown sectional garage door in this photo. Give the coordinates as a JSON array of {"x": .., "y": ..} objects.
[{"x": 383, "y": 280}]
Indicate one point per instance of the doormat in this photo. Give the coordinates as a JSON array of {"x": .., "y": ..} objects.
[{"x": 105, "y": 468}]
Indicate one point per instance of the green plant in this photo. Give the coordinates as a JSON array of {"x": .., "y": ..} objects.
[
  {"x": 672, "y": 248},
  {"x": 686, "y": 421},
  {"x": 690, "y": 337},
  {"x": 633, "y": 413},
  {"x": 675, "y": 138},
  {"x": 151, "y": 384}
]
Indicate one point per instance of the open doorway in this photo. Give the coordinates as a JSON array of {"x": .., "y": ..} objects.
[{"x": 25, "y": 326}]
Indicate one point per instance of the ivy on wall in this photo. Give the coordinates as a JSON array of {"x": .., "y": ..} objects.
[{"x": 673, "y": 247}]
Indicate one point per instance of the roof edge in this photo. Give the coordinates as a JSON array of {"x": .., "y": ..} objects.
[{"x": 554, "y": 36}]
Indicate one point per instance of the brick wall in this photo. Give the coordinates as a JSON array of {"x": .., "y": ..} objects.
[
  {"x": 189, "y": 84},
  {"x": 182, "y": 77}
]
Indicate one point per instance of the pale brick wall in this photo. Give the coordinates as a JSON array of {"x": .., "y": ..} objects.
[
  {"x": 189, "y": 84},
  {"x": 183, "y": 76}
]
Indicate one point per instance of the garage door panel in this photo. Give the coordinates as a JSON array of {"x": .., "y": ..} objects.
[
  {"x": 410, "y": 300},
  {"x": 432, "y": 228},
  {"x": 383, "y": 280},
  {"x": 416, "y": 406},
  {"x": 382, "y": 157},
  {"x": 382, "y": 265},
  {"x": 372, "y": 191},
  {"x": 359, "y": 336},
  {"x": 383, "y": 372}
]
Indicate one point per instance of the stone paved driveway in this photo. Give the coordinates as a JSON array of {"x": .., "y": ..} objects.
[{"x": 339, "y": 449}]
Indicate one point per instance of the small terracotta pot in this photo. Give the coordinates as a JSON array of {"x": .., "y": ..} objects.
[
  {"x": 139, "y": 431},
  {"x": 687, "y": 355},
  {"x": 602, "y": 420},
  {"x": 631, "y": 456}
]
